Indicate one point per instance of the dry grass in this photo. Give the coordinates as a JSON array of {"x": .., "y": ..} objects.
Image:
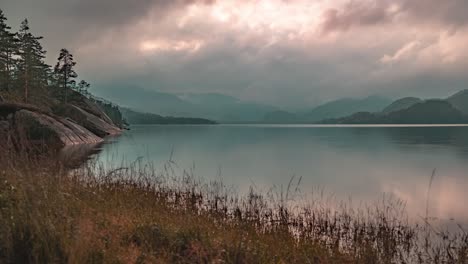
[{"x": 138, "y": 215}]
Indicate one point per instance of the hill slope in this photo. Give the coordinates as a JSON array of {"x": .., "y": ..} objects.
[
  {"x": 460, "y": 101},
  {"x": 212, "y": 106},
  {"x": 344, "y": 107},
  {"x": 401, "y": 104},
  {"x": 280, "y": 117},
  {"x": 138, "y": 118},
  {"x": 427, "y": 112}
]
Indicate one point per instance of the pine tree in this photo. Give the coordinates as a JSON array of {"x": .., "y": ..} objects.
[
  {"x": 83, "y": 87},
  {"x": 31, "y": 65},
  {"x": 8, "y": 49},
  {"x": 65, "y": 72}
]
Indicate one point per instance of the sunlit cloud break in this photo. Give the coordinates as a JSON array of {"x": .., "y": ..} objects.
[
  {"x": 170, "y": 45},
  {"x": 290, "y": 53}
]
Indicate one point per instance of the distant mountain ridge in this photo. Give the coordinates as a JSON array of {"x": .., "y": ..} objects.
[
  {"x": 228, "y": 109},
  {"x": 137, "y": 118},
  {"x": 401, "y": 104},
  {"x": 213, "y": 106},
  {"x": 343, "y": 107},
  {"x": 333, "y": 109},
  {"x": 407, "y": 110},
  {"x": 281, "y": 117},
  {"x": 435, "y": 111},
  {"x": 460, "y": 101}
]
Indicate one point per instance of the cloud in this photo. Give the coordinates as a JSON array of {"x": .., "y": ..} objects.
[
  {"x": 447, "y": 12},
  {"x": 169, "y": 45},
  {"x": 358, "y": 13},
  {"x": 406, "y": 52},
  {"x": 361, "y": 13},
  {"x": 73, "y": 22},
  {"x": 291, "y": 53}
]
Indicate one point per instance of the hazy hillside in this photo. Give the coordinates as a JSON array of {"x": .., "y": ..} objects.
[
  {"x": 225, "y": 108},
  {"x": 280, "y": 117},
  {"x": 334, "y": 109},
  {"x": 147, "y": 101},
  {"x": 460, "y": 101},
  {"x": 427, "y": 112},
  {"x": 401, "y": 104},
  {"x": 212, "y": 106},
  {"x": 137, "y": 118},
  {"x": 209, "y": 98},
  {"x": 346, "y": 106}
]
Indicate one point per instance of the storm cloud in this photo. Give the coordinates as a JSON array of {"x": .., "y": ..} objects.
[{"x": 290, "y": 53}]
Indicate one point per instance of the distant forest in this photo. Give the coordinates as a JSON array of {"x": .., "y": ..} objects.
[{"x": 138, "y": 118}]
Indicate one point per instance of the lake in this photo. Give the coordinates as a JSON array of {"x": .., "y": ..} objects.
[{"x": 361, "y": 163}]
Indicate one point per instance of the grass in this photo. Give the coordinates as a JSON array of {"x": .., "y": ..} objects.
[{"x": 135, "y": 214}]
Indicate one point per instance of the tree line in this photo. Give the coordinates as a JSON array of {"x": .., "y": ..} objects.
[{"x": 24, "y": 72}]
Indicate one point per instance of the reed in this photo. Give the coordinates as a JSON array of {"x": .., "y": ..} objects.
[{"x": 135, "y": 213}]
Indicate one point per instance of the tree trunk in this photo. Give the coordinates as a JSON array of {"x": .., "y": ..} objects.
[
  {"x": 65, "y": 79},
  {"x": 7, "y": 81},
  {"x": 26, "y": 85}
]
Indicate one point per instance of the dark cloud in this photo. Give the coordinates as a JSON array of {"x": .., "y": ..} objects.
[
  {"x": 291, "y": 70},
  {"x": 114, "y": 13},
  {"x": 98, "y": 12},
  {"x": 71, "y": 22},
  {"x": 356, "y": 13},
  {"x": 449, "y": 12}
]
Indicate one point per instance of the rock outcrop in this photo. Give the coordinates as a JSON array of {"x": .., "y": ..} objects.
[
  {"x": 93, "y": 123},
  {"x": 54, "y": 131},
  {"x": 93, "y": 108},
  {"x": 74, "y": 126}
]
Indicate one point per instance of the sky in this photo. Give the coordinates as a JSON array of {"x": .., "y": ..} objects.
[{"x": 288, "y": 53}]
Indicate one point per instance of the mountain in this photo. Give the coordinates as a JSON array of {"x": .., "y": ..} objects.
[
  {"x": 212, "y": 106},
  {"x": 344, "y": 107},
  {"x": 460, "y": 101},
  {"x": 226, "y": 108},
  {"x": 144, "y": 100},
  {"x": 137, "y": 118},
  {"x": 280, "y": 117},
  {"x": 427, "y": 112},
  {"x": 401, "y": 104},
  {"x": 209, "y": 98},
  {"x": 356, "y": 118}
]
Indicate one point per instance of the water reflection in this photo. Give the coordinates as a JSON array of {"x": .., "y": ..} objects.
[
  {"x": 357, "y": 162},
  {"x": 75, "y": 156}
]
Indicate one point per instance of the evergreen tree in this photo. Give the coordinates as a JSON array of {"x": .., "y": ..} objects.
[
  {"x": 83, "y": 87},
  {"x": 8, "y": 49},
  {"x": 65, "y": 72},
  {"x": 31, "y": 65}
]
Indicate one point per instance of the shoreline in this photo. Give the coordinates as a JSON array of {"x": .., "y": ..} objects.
[{"x": 312, "y": 125}]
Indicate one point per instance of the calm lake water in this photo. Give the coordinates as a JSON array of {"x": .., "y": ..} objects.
[{"x": 362, "y": 162}]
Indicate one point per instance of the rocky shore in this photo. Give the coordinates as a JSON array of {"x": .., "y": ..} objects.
[{"x": 71, "y": 124}]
